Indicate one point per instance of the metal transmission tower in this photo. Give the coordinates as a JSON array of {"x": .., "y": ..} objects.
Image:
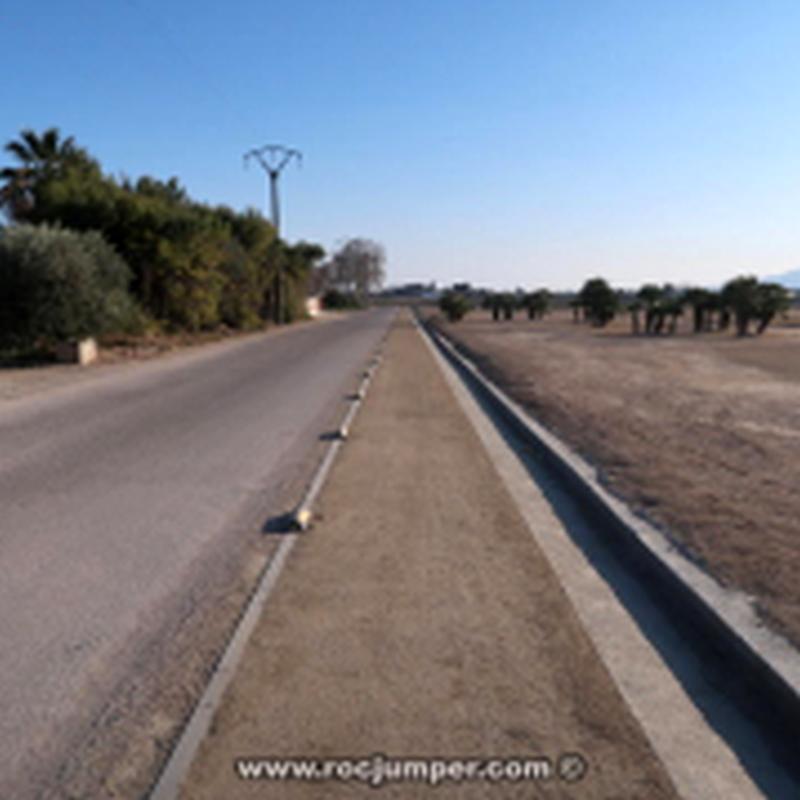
[{"x": 273, "y": 158}]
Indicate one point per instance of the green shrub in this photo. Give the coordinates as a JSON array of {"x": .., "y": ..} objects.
[
  {"x": 57, "y": 284},
  {"x": 335, "y": 300},
  {"x": 454, "y": 305},
  {"x": 194, "y": 266},
  {"x": 242, "y": 292},
  {"x": 599, "y": 302}
]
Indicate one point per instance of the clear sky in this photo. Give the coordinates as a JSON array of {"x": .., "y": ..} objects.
[{"x": 503, "y": 142}]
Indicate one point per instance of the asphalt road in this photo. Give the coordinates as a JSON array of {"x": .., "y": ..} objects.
[{"x": 112, "y": 491}]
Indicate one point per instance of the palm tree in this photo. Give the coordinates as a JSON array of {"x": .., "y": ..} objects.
[
  {"x": 501, "y": 304},
  {"x": 771, "y": 299},
  {"x": 652, "y": 297},
  {"x": 741, "y": 296},
  {"x": 537, "y": 303},
  {"x": 635, "y": 307},
  {"x": 673, "y": 308},
  {"x": 702, "y": 303},
  {"x": 39, "y": 157}
]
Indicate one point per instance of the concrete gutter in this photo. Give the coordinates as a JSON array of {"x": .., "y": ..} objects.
[{"x": 767, "y": 663}]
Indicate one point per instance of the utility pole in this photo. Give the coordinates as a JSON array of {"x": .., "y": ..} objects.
[{"x": 273, "y": 158}]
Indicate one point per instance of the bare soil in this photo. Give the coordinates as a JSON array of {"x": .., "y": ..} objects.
[
  {"x": 699, "y": 433},
  {"x": 419, "y": 618}
]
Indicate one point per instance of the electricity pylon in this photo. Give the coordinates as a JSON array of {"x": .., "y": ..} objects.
[{"x": 273, "y": 158}]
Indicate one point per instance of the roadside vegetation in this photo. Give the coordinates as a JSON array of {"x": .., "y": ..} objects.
[
  {"x": 64, "y": 285},
  {"x": 346, "y": 280},
  {"x": 87, "y": 253},
  {"x": 454, "y": 305},
  {"x": 337, "y": 300}
]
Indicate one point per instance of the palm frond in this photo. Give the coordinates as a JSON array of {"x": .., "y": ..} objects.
[
  {"x": 49, "y": 143},
  {"x": 20, "y": 151},
  {"x": 33, "y": 144}
]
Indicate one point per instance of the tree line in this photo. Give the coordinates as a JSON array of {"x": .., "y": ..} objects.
[
  {"x": 456, "y": 303},
  {"x": 179, "y": 264},
  {"x": 743, "y": 304}
]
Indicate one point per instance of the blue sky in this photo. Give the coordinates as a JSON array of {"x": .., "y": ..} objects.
[{"x": 507, "y": 142}]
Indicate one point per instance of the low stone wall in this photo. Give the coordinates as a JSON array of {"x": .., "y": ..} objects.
[{"x": 81, "y": 352}]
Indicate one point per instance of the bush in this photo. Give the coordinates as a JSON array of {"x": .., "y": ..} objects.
[
  {"x": 242, "y": 290},
  {"x": 454, "y": 305},
  {"x": 59, "y": 285},
  {"x": 599, "y": 302},
  {"x": 194, "y": 266},
  {"x": 335, "y": 300}
]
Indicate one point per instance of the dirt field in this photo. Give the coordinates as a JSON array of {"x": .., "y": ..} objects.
[{"x": 699, "y": 433}]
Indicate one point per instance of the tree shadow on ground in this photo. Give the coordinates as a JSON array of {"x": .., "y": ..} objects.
[{"x": 24, "y": 359}]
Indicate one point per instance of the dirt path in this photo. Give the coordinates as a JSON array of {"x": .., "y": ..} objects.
[{"x": 419, "y": 618}]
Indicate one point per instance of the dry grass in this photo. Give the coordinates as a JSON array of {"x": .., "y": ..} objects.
[{"x": 701, "y": 434}]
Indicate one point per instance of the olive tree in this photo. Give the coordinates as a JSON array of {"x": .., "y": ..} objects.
[
  {"x": 61, "y": 285},
  {"x": 598, "y": 301},
  {"x": 771, "y": 299},
  {"x": 741, "y": 296},
  {"x": 454, "y": 305},
  {"x": 537, "y": 303}
]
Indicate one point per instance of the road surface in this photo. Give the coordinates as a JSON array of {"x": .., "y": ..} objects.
[
  {"x": 118, "y": 495},
  {"x": 418, "y": 619}
]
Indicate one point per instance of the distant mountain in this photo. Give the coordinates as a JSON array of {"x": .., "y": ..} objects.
[{"x": 791, "y": 280}]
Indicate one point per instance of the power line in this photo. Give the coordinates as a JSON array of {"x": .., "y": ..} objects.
[{"x": 273, "y": 158}]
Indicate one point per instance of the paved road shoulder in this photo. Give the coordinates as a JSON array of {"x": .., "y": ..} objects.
[{"x": 419, "y": 618}]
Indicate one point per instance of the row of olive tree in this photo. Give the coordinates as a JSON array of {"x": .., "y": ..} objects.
[
  {"x": 744, "y": 300},
  {"x": 192, "y": 266},
  {"x": 456, "y": 304},
  {"x": 503, "y": 305}
]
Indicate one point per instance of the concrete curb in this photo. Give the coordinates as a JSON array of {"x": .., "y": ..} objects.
[
  {"x": 303, "y": 514},
  {"x": 180, "y": 760},
  {"x": 767, "y": 662}
]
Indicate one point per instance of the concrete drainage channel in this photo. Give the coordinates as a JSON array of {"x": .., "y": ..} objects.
[
  {"x": 744, "y": 679},
  {"x": 177, "y": 766}
]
